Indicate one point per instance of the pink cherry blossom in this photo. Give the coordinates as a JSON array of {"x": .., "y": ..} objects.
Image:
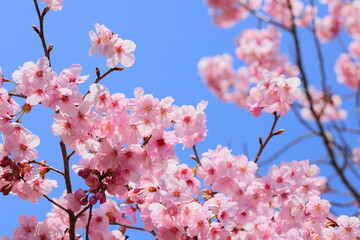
[
  {"x": 54, "y": 4},
  {"x": 317, "y": 208},
  {"x": 219, "y": 75},
  {"x": 327, "y": 106},
  {"x": 352, "y": 23},
  {"x": 121, "y": 51},
  {"x": 190, "y": 124},
  {"x": 356, "y": 155},
  {"x": 226, "y": 13},
  {"x": 354, "y": 49},
  {"x": 348, "y": 227},
  {"x": 100, "y": 39},
  {"x": 27, "y": 227},
  {"x": 33, "y": 76}
]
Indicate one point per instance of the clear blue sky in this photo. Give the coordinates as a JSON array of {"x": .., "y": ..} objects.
[{"x": 171, "y": 38}]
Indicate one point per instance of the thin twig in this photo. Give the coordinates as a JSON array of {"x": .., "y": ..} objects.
[
  {"x": 196, "y": 158},
  {"x": 133, "y": 227},
  {"x": 302, "y": 121},
  {"x": 55, "y": 203},
  {"x": 41, "y": 31},
  {"x": 319, "y": 54},
  {"x": 82, "y": 211},
  {"x": 99, "y": 78},
  {"x": 17, "y": 95},
  {"x": 47, "y": 166},
  {"x": 264, "y": 18},
  {"x": 66, "y": 158},
  {"x": 286, "y": 147},
  {"x": 270, "y": 135}
]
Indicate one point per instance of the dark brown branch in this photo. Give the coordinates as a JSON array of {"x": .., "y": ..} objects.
[
  {"x": 47, "y": 166},
  {"x": 17, "y": 95},
  {"x": 66, "y": 159},
  {"x": 88, "y": 223},
  {"x": 319, "y": 54},
  {"x": 83, "y": 211},
  {"x": 286, "y": 147},
  {"x": 55, "y": 203},
  {"x": 196, "y": 158},
  {"x": 41, "y": 31},
  {"x": 100, "y": 77},
  {"x": 357, "y": 104},
  {"x": 270, "y": 135},
  {"x": 301, "y": 120},
  {"x": 264, "y": 18},
  {"x": 133, "y": 227},
  {"x": 326, "y": 141}
]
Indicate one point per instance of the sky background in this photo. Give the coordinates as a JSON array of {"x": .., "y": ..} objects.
[{"x": 171, "y": 38}]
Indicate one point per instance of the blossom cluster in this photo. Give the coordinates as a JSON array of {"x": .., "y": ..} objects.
[
  {"x": 327, "y": 107},
  {"x": 341, "y": 13},
  {"x": 226, "y": 13},
  {"x": 259, "y": 49},
  {"x": 115, "y": 49},
  {"x": 274, "y": 95},
  {"x": 120, "y": 140},
  {"x": 128, "y": 163}
]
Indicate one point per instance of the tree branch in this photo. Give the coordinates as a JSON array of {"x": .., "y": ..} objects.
[
  {"x": 133, "y": 227},
  {"x": 326, "y": 141},
  {"x": 286, "y": 147},
  {"x": 88, "y": 223},
  {"x": 48, "y": 166},
  {"x": 55, "y": 203},
  {"x": 100, "y": 77},
  {"x": 271, "y": 134},
  {"x": 41, "y": 31}
]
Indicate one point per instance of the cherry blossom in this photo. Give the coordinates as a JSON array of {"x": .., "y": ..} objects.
[
  {"x": 55, "y": 5},
  {"x": 126, "y": 147}
]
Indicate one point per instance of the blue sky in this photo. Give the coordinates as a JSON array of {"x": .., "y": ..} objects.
[{"x": 171, "y": 37}]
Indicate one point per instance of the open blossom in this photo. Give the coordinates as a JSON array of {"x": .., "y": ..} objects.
[
  {"x": 121, "y": 51},
  {"x": 100, "y": 39},
  {"x": 33, "y": 76},
  {"x": 190, "y": 124},
  {"x": 71, "y": 76},
  {"x": 27, "y": 227},
  {"x": 20, "y": 142},
  {"x": 110, "y": 45},
  {"x": 348, "y": 227},
  {"x": 54, "y": 4},
  {"x": 317, "y": 208},
  {"x": 34, "y": 188},
  {"x": 274, "y": 94}
]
